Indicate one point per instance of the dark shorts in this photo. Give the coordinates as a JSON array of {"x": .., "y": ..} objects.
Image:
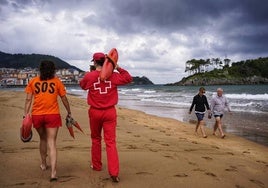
[
  {"x": 47, "y": 121},
  {"x": 218, "y": 116},
  {"x": 199, "y": 116}
]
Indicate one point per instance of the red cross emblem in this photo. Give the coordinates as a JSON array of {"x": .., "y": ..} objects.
[{"x": 102, "y": 86}]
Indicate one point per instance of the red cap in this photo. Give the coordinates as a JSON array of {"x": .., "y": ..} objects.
[{"x": 98, "y": 56}]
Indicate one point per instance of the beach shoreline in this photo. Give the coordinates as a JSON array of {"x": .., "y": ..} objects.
[
  {"x": 244, "y": 124},
  {"x": 153, "y": 151}
]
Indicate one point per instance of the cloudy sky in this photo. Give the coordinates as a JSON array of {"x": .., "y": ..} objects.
[{"x": 154, "y": 38}]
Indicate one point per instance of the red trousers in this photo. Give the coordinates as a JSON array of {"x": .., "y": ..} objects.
[{"x": 104, "y": 119}]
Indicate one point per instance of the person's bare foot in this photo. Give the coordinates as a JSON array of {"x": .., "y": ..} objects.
[
  {"x": 115, "y": 179},
  {"x": 43, "y": 167}
]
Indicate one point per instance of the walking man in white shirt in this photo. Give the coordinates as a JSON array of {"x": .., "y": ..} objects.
[{"x": 217, "y": 106}]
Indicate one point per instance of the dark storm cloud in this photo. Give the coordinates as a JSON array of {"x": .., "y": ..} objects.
[
  {"x": 148, "y": 33},
  {"x": 134, "y": 15},
  {"x": 218, "y": 18}
]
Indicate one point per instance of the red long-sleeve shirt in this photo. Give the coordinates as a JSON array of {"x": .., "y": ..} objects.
[{"x": 103, "y": 94}]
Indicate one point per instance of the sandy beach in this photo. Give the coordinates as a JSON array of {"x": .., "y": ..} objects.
[{"x": 154, "y": 152}]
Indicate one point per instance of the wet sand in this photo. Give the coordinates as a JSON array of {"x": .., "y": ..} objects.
[
  {"x": 153, "y": 151},
  {"x": 253, "y": 127}
]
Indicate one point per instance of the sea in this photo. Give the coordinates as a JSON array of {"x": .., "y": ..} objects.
[{"x": 249, "y": 105}]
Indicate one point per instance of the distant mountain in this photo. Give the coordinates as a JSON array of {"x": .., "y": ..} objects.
[
  {"x": 31, "y": 60},
  {"x": 18, "y": 61}
]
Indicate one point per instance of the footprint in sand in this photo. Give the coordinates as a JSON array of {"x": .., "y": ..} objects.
[
  {"x": 29, "y": 148},
  {"x": 239, "y": 186},
  {"x": 137, "y": 135},
  {"x": 263, "y": 162},
  {"x": 190, "y": 149},
  {"x": 259, "y": 183},
  {"x": 144, "y": 173},
  {"x": 229, "y": 153},
  {"x": 199, "y": 170},
  {"x": 194, "y": 142},
  {"x": 132, "y": 147},
  {"x": 30, "y": 184},
  {"x": 153, "y": 140},
  {"x": 168, "y": 156},
  {"x": 66, "y": 178},
  {"x": 207, "y": 158},
  {"x": 153, "y": 150},
  {"x": 210, "y": 174},
  {"x": 164, "y": 144},
  {"x": 231, "y": 169},
  {"x": 9, "y": 151},
  {"x": 191, "y": 163},
  {"x": 181, "y": 175},
  {"x": 68, "y": 148},
  {"x": 216, "y": 147}
]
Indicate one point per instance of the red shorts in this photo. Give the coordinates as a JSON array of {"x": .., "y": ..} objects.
[{"x": 47, "y": 121}]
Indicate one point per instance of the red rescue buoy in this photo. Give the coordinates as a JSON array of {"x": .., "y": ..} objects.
[{"x": 109, "y": 64}]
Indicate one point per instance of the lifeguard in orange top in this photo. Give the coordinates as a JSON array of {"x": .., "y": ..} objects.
[{"x": 44, "y": 90}]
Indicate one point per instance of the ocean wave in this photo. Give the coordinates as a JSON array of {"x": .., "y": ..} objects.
[{"x": 248, "y": 96}]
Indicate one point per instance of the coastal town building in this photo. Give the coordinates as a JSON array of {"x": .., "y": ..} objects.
[{"x": 21, "y": 77}]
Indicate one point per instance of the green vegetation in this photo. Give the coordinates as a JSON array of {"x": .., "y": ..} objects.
[
  {"x": 18, "y": 61},
  {"x": 253, "y": 71}
]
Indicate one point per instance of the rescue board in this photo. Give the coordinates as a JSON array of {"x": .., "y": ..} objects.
[
  {"x": 109, "y": 64},
  {"x": 26, "y": 129}
]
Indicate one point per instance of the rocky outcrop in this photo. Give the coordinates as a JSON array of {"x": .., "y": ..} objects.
[
  {"x": 222, "y": 81},
  {"x": 141, "y": 81}
]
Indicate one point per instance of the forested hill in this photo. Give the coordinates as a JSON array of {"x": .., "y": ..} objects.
[
  {"x": 253, "y": 71},
  {"x": 20, "y": 61},
  {"x": 30, "y": 60}
]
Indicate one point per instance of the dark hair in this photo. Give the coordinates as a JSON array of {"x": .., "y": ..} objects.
[
  {"x": 47, "y": 70},
  {"x": 100, "y": 62},
  {"x": 92, "y": 68},
  {"x": 202, "y": 89}
]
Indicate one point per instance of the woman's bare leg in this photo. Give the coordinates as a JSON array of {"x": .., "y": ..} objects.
[
  {"x": 201, "y": 124},
  {"x": 43, "y": 147},
  {"x": 197, "y": 126},
  {"x": 51, "y": 141}
]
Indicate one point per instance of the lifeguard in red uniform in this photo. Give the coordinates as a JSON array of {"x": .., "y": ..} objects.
[{"x": 102, "y": 98}]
